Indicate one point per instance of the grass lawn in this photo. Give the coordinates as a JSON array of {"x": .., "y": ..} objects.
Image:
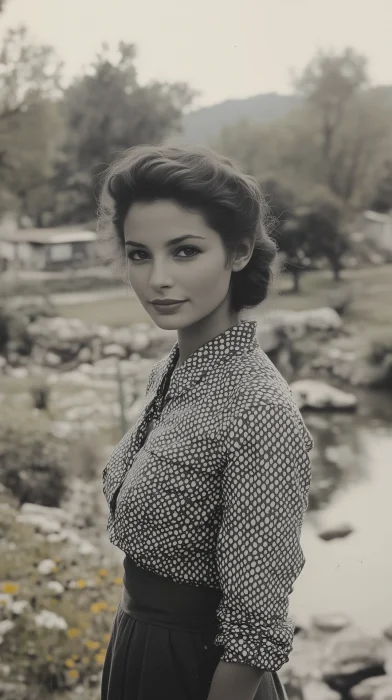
[{"x": 370, "y": 310}]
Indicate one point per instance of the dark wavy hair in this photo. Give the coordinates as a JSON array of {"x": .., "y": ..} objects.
[{"x": 198, "y": 179}]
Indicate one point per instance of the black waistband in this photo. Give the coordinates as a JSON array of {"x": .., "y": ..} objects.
[{"x": 159, "y": 600}]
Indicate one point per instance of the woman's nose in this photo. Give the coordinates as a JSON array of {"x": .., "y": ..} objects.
[{"x": 160, "y": 275}]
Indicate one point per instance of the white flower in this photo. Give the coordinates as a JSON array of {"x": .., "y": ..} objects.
[
  {"x": 46, "y": 566},
  {"x": 6, "y": 626},
  {"x": 50, "y": 620},
  {"x": 56, "y": 587},
  {"x": 19, "y": 606},
  {"x": 5, "y": 601}
]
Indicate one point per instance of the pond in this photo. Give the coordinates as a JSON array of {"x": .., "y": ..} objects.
[{"x": 352, "y": 483}]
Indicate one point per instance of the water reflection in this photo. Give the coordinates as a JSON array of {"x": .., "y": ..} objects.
[
  {"x": 352, "y": 483},
  {"x": 339, "y": 456}
]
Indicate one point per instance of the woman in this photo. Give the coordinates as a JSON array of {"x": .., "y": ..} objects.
[{"x": 208, "y": 490}]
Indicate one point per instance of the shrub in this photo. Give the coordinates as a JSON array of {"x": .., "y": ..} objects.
[
  {"x": 13, "y": 330},
  {"x": 33, "y": 463}
]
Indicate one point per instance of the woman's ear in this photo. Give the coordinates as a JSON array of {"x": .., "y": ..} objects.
[{"x": 242, "y": 256}]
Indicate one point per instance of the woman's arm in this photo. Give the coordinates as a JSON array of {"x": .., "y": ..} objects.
[
  {"x": 258, "y": 554},
  {"x": 233, "y": 681}
]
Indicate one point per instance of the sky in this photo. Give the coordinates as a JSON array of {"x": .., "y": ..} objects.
[{"x": 222, "y": 48}]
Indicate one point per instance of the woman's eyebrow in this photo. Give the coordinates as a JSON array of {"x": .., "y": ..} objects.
[{"x": 174, "y": 240}]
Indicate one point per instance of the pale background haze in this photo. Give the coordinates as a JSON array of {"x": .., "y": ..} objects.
[{"x": 224, "y": 50}]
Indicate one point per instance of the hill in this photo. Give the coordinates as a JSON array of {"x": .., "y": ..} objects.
[{"x": 204, "y": 124}]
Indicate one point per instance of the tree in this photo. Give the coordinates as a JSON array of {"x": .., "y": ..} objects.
[
  {"x": 290, "y": 237},
  {"x": 30, "y": 125},
  {"x": 328, "y": 84},
  {"x": 107, "y": 111},
  {"x": 321, "y": 220},
  {"x": 351, "y": 122},
  {"x": 381, "y": 200}
]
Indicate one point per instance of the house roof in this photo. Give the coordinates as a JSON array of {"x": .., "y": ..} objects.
[
  {"x": 375, "y": 216},
  {"x": 51, "y": 236}
]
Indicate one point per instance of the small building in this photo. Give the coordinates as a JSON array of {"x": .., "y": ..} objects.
[
  {"x": 49, "y": 249},
  {"x": 375, "y": 228}
]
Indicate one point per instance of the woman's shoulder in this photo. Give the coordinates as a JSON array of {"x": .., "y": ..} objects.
[
  {"x": 258, "y": 386},
  {"x": 255, "y": 375}
]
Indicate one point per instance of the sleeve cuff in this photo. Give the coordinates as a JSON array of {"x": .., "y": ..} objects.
[{"x": 267, "y": 650}]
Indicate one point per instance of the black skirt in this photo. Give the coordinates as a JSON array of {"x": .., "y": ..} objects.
[{"x": 161, "y": 645}]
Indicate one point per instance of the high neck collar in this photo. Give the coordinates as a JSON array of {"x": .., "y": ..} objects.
[{"x": 233, "y": 341}]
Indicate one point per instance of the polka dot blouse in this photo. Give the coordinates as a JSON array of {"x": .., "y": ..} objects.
[{"x": 215, "y": 493}]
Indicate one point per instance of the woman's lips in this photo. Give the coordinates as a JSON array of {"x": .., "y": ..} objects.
[{"x": 168, "y": 308}]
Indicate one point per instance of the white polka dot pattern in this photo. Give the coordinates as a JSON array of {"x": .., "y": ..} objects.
[{"x": 215, "y": 494}]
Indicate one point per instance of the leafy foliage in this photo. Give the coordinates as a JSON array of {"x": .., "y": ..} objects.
[{"x": 33, "y": 463}]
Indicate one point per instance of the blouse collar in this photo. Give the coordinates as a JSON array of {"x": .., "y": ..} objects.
[{"x": 234, "y": 341}]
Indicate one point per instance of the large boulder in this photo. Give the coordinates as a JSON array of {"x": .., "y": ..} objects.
[
  {"x": 350, "y": 657},
  {"x": 310, "y": 393}
]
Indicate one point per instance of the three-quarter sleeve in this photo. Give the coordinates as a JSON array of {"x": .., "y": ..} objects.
[{"x": 265, "y": 487}]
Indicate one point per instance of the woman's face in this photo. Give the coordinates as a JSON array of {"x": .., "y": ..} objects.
[{"x": 191, "y": 270}]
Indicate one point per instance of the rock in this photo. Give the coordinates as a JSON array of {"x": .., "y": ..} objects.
[
  {"x": 350, "y": 657},
  {"x": 17, "y": 372},
  {"x": 114, "y": 350},
  {"x": 52, "y": 360},
  {"x": 384, "y": 693},
  {"x": 57, "y": 536},
  {"x": 310, "y": 393},
  {"x": 322, "y": 319},
  {"x": 331, "y": 622},
  {"x": 53, "y": 513},
  {"x": 342, "y": 530},
  {"x": 318, "y": 691},
  {"x": 84, "y": 355},
  {"x": 41, "y": 523},
  {"x": 367, "y": 688}
]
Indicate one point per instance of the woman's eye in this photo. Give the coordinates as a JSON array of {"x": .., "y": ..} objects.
[
  {"x": 132, "y": 253},
  {"x": 193, "y": 250}
]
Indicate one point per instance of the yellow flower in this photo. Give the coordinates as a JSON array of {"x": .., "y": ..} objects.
[
  {"x": 49, "y": 658},
  {"x": 73, "y": 632},
  {"x": 97, "y": 607},
  {"x": 85, "y": 660},
  {"x": 90, "y": 644},
  {"x": 100, "y": 658},
  {"x": 74, "y": 674},
  {"x": 81, "y": 583},
  {"x": 103, "y": 572},
  {"x": 118, "y": 580},
  {"x": 106, "y": 637},
  {"x": 10, "y": 587},
  {"x": 69, "y": 663},
  {"x": 75, "y": 657}
]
